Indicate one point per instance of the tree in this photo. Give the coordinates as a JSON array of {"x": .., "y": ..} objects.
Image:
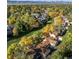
[
  {"x": 15, "y": 31},
  {"x": 26, "y": 41},
  {"x": 53, "y": 14},
  {"x": 58, "y": 21},
  {"x": 11, "y": 50},
  {"x": 48, "y": 28},
  {"x": 11, "y": 20},
  {"x": 19, "y": 28}
]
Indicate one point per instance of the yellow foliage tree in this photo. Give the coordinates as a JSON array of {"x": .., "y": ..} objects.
[
  {"x": 15, "y": 31},
  {"x": 26, "y": 41},
  {"x": 58, "y": 21},
  {"x": 53, "y": 14},
  {"x": 48, "y": 28},
  {"x": 12, "y": 10},
  {"x": 11, "y": 20}
]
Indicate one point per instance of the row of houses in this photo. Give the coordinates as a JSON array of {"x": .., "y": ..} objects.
[{"x": 49, "y": 43}]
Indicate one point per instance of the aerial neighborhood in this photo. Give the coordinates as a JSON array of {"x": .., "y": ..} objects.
[{"x": 39, "y": 31}]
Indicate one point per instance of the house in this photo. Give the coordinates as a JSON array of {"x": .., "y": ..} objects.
[
  {"x": 40, "y": 17},
  {"x": 9, "y": 30},
  {"x": 65, "y": 21},
  {"x": 35, "y": 15}
]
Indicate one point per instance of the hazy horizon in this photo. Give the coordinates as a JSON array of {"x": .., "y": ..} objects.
[{"x": 41, "y": 0}]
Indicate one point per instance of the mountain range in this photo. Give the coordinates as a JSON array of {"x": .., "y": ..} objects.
[{"x": 38, "y": 2}]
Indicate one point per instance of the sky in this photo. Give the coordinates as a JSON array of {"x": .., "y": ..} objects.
[{"x": 40, "y": 0}]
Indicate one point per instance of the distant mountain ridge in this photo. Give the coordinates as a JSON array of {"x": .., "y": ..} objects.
[{"x": 39, "y": 2}]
